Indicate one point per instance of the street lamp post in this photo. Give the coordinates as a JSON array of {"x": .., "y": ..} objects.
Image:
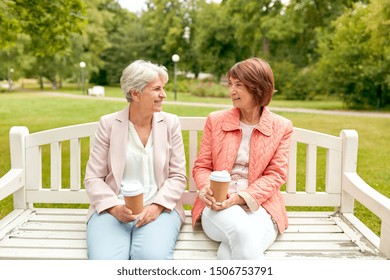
[
  {"x": 10, "y": 81},
  {"x": 82, "y": 66},
  {"x": 175, "y": 59}
]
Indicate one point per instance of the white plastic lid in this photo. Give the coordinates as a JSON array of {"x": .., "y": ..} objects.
[
  {"x": 133, "y": 188},
  {"x": 220, "y": 176}
]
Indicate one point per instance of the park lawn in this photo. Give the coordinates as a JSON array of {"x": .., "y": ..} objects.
[{"x": 39, "y": 112}]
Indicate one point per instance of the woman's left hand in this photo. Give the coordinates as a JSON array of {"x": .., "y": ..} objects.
[
  {"x": 150, "y": 213},
  {"x": 233, "y": 199}
]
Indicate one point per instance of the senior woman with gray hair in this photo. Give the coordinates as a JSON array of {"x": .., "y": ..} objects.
[{"x": 142, "y": 145}]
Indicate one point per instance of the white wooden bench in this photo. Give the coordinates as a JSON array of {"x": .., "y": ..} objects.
[
  {"x": 96, "y": 91},
  {"x": 31, "y": 232}
]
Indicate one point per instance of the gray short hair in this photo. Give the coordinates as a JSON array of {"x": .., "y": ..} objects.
[{"x": 138, "y": 74}]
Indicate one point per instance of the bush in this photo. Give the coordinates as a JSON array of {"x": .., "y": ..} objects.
[{"x": 208, "y": 89}]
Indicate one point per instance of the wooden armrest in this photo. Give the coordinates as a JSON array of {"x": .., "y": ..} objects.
[
  {"x": 376, "y": 202},
  {"x": 11, "y": 182}
]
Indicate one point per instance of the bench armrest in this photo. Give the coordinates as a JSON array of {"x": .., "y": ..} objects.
[
  {"x": 376, "y": 202},
  {"x": 11, "y": 182}
]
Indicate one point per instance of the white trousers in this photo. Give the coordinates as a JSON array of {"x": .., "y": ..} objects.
[{"x": 243, "y": 235}]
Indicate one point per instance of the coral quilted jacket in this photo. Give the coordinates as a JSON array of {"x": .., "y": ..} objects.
[{"x": 269, "y": 152}]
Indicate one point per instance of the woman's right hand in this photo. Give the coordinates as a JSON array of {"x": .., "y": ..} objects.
[
  {"x": 206, "y": 195},
  {"x": 122, "y": 213}
]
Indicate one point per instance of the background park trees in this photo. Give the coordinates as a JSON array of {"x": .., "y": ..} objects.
[{"x": 318, "y": 49}]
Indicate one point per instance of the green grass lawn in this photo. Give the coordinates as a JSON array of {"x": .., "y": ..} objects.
[{"x": 39, "y": 112}]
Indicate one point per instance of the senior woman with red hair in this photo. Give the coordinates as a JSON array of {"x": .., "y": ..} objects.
[{"x": 252, "y": 144}]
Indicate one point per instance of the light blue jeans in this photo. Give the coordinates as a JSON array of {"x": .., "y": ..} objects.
[
  {"x": 109, "y": 239},
  {"x": 243, "y": 235}
]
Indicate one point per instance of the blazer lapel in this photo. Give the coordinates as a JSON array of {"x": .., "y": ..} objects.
[
  {"x": 159, "y": 130},
  {"x": 118, "y": 144}
]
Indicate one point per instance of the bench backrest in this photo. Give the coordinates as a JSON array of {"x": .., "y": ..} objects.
[{"x": 54, "y": 163}]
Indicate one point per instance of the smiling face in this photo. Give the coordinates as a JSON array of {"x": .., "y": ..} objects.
[
  {"x": 241, "y": 97},
  {"x": 152, "y": 96},
  {"x": 253, "y": 76}
]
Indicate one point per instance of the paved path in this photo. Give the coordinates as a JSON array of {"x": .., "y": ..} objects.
[{"x": 212, "y": 105}]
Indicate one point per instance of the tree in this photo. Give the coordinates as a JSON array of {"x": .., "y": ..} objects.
[
  {"x": 126, "y": 46},
  {"x": 48, "y": 23},
  {"x": 215, "y": 45},
  {"x": 48, "y": 26},
  {"x": 355, "y": 58}
]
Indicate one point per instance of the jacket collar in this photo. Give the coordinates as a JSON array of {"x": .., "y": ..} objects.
[
  {"x": 232, "y": 121},
  {"x": 123, "y": 116}
]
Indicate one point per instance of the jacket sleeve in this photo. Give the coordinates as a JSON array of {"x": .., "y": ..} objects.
[
  {"x": 100, "y": 194},
  {"x": 273, "y": 176},
  {"x": 175, "y": 183}
]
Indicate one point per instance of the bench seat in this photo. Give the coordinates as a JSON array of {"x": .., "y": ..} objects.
[{"x": 58, "y": 233}]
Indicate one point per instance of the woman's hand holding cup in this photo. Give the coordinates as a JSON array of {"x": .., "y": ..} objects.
[{"x": 206, "y": 195}]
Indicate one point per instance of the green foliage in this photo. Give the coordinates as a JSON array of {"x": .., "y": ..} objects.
[
  {"x": 355, "y": 60},
  {"x": 317, "y": 48},
  {"x": 215, "y": 44},
  {"x": 48, "y": 23},
  {"x": 209, "y": 89}
]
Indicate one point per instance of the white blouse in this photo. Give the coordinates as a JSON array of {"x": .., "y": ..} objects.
[
  {"x": 239, "y": 172},
  {"x": 139, "y": 164}
]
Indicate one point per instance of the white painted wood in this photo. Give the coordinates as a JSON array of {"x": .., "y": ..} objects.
[
  {"x": 55, "y": 233},
  {"x": 42, "y": 254},
  {"x": 315, "y": 199},
  {"x": 317, "y": 139},
  {"x": 13, "y": 220},
  {"x": 75, "y": 164},
  {"x": 384, "y": 245},
  {"x": 349, "y": 164},
  {"x": 55, "y": 166},
  {"x": 17, "y": 138},
  {"x": 61, "y": 134},
  {"x": 311, "y": 168},
  {"x": 11, "y": 182},
  {"x": 46, "y": 243},
  {"x": 369, "y": 197},
  {"x": 333, "y": 172},
  {"x": 48, "y": 235},
  {"x": 60, "y": 196},
  {"x": 55, "y": 226},
  {"x": 193, "y": 152},
  {"x": 192, "y": 123},
  {"x": 34, "y": 168}
]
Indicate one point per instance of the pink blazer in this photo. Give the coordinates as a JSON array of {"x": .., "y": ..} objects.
[
  {"x": 107, "y": 161},
  {"x": 269, "y": 152}
]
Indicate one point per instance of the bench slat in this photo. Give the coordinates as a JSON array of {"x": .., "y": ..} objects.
[
  {"x": 45, "y": 243},
  {"x": 42, "y": 254},
  {"x": 55, "y": 166},
  {"x": 75, "y": 164},
  {"x": 313, "y": 246},
  {"x": 37, "y": 226},
  {"x": 311, "y": 169},
  {"x": 319, "y": 255},
  {"x": 43, "y": 234}
]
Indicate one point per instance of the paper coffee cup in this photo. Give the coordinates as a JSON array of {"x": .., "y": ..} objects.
[
  {"x": 133, "y": 194},
  {"x": 219, "y": 184}
]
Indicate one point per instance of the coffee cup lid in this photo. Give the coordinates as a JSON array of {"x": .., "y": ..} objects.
[
  {"x": 132, "y": 188},
  {"x": 220, "y": 176}
]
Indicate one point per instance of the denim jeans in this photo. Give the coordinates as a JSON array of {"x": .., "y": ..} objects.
[{"x": 110, "y": 239}]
